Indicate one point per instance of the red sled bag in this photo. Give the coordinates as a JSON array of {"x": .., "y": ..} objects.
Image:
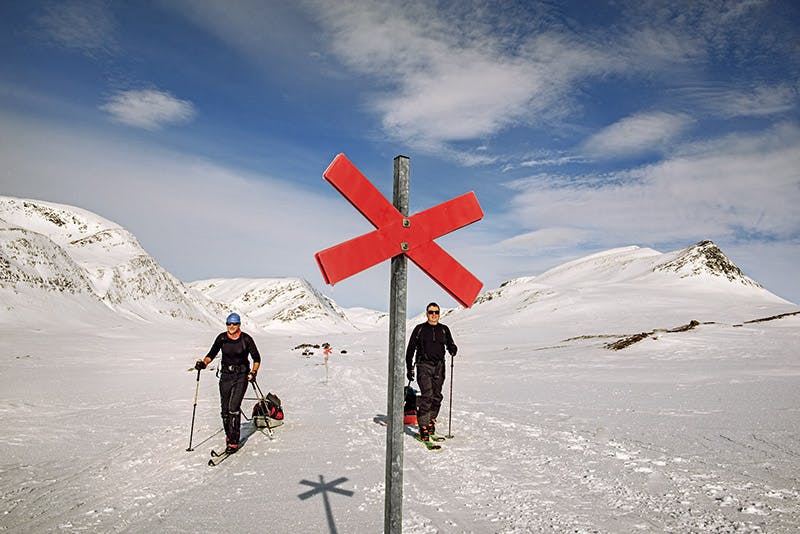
[
  {"x": 268, "y": 412},
  {"x": 410, "y": 406}
]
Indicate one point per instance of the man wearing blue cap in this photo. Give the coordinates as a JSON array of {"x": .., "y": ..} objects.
[{"x": 235, "y": 373}]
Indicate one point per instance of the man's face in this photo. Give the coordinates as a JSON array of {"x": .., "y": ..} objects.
[
  {"x": 233, "y": 328},
  {"x": 433, "y": 315}
]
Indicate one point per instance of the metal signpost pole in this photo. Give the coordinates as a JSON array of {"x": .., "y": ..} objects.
[
  {"x": 399, "y": 237},
  {"x": 398, "y": 297}
]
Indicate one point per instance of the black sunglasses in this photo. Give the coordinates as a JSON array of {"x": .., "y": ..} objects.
[
  {"x": 237, "y": 324},
  {"x": 433, "y": 312}
]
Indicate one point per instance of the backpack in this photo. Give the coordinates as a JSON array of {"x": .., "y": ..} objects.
[{"x": 268, "y": 412}]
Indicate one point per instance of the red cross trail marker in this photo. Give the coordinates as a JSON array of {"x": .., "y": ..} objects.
[{"x": 396, "y": 234}]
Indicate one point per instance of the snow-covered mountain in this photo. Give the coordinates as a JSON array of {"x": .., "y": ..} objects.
[
  {"x": 278, "y": 303},
  {"x": 56, "y": 253},
  {"x": 89, "y": 269},
  {"x": 630, "y": 289},
  {"x": 68, "y": 259}
]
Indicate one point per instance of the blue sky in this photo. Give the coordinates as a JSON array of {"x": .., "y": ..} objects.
[{"x": 204, "y": 127}]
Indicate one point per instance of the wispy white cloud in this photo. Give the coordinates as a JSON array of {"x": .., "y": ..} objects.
[
  {"x": 560, "y": 160},
  {"x": 85, "y": 25},
  {"x": 727, "y": 188},
  {"x": 450, "y": 77},
  {"x": 443, "y": 76},
  {"x": 694, "y": 30},
  {"x": 446, "y": 84},
  {"x": 543, "y": 158},
  {"x": 732, "y": 100},
  {"x": 641, "y": 133},
  {"x": 541, "y": 239},
  {"x": 148, "y": 108},
  {"x": 762, "y": 100}
]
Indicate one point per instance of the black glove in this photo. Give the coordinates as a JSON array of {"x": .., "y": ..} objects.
[
  {"x": 251, "y": 376},
  {"x": 200, "y": 364},
  {"x": 410, "y": 375}
]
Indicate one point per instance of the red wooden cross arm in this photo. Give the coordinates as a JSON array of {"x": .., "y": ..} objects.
[{"x": 396, "y": 234}]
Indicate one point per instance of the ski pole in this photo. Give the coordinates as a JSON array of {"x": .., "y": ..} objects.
[
  {"x": 450, "y": 416},
  {"x": 257, "y": 389},
  {"x": 194, "y": 410},
  {"x": 257, "y": 393}
]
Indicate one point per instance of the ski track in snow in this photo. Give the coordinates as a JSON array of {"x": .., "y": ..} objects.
[{"x": 576, "y": 439}]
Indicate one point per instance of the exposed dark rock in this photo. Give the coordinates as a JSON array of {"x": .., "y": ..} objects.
[
  {"x": 706, "y": 257},
  {"x": 773, "y": 318},
  {"x": 628, "y": 341}
]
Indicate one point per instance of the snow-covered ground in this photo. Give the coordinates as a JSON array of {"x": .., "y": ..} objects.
[
  {"x": 689, "y": 431},
  {"x": 693, "y": 426}
]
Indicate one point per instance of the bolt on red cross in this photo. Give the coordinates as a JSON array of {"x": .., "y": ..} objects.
[{"x": 396, "y": 234}]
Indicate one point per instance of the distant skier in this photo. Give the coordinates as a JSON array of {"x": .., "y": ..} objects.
[
  {"x": 429, "y": 341},
  {"x": 235, "y": 374}
]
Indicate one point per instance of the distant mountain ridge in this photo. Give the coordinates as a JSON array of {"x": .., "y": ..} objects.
[
  {"x": 52, "y": 252},
  {"x": 645, "y": 288},
  {"x": 275, "y": 302},
  {"x": 57, "y": 256}
]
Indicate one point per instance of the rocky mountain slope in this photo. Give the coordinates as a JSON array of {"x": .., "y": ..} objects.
[
  {"x": 87, "y": 266},
  {"x": 49, "y": 250},
  {"x": 277, "y": 303}
]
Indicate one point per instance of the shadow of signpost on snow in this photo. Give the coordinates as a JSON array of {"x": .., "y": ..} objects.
[
  {"x": 325, "y": 487},
  {"x": 381, "y": 420}
]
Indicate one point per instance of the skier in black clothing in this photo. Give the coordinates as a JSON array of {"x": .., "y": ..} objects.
[
  {"x": 429, "y": 341},
  {"x": 235, "y": 374}
]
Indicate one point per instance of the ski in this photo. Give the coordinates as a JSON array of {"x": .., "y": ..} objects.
[
  {"x": 217, "y": 457},
  {"x": 431, "y": 446},
  {"x": 437, "y": 438},
  {"x": 216, "y": 460}
]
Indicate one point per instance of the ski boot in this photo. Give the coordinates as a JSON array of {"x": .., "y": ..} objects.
[
  {"x": 432, "y": 432},
  {"x": 424, "y": 433}
]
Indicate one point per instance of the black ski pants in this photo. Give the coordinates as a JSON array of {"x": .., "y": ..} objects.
[
  {"x": 430, "y": 377},
  {"x": 232, "y": 387}
]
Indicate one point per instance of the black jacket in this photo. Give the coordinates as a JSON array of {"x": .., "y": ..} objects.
[
  {"x": 428, "y": 342},
  {"x": 234, "y": 351}
]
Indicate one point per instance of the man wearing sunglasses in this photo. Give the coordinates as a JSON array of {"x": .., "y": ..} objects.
[
  {"x": 235, "y": 373},
  {"x": 428, "y": 342}
]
